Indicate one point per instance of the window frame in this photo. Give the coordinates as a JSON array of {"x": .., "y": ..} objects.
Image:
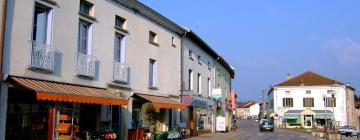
[
  {"x": 199, "y": 84},
  {"x": 191, "y": 79},
  {"x": 330, "y": 102},
  {"x": 152, "y": 73},
  {"x": 288, "y": 102},
  {"x": 47, "y": 33},
  {"x": 119, "y": 48},
  {"x": 153, "y": 38},
  {"x": 88, "y": 37},
  {"x": 308, "y": 102}
]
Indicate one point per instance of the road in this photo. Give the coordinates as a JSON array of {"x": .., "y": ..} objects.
[{"x": 249, "y": 130}]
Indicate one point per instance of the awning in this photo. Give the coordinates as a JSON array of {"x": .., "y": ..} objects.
[
  {"x": 162, "y": 102},
  {"x": 61, "y": 92},
  {"x": 291, "y": 115},
  {"x": 324, "y": 116}
]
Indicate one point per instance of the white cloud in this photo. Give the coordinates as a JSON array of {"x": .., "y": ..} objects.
[{"x": 347, "y": 51}]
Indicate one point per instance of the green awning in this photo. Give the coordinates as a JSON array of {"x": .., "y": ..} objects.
[
  {"x": 292, "y": 116},
  {"x": 324, "y": 115},
  {"x": 293, "y": 121}
]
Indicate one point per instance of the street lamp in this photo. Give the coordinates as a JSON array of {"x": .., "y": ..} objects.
[{"x": 333, "y": 93}]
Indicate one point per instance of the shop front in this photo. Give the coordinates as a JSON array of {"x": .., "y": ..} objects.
[
  {"x": 199, "y": 115},
  {"x": 307, "y": 118},
  {"x": 43, "y": 110},
  {"x": 154, "y": 117}
]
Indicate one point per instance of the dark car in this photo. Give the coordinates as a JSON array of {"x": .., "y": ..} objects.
[{"x": 266, "y": 126}]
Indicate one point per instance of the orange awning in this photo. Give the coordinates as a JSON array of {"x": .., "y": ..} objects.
[
  {"x": 162, "y": 102},
  {"x": 61, "y": 92}
]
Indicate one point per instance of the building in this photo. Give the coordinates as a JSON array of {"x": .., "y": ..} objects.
[
  {"x": 94, "y": 65},
  {"x": 198, "y": 81},
  {"x": 263, "y": 109},
  {"x": 248, "y": 109},
  {"x": 224, "y": 73},
  {"x": 311, "y": 100}
]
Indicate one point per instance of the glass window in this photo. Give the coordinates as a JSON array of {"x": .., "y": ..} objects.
[
  {"x": 199, "y": 83},
  {"x": 190, "y": 54},
  {"x": 41, "y": 24},
  {"x": 190, "y": 79},
  {"x": 209, "y": 87},
  {"x": 118, "y": 47},
  {"x": 120, "y": 22},
  {"x": 152, "y": 73},
  {"x": 330, "y": 102},
  {"x": 85, "y": 7},
  {"x": 287, "y": 102},
  {"x": 152, "y": 37},
  {"x": 308, "y": 102},
  {"x": 83, "y": 45}
]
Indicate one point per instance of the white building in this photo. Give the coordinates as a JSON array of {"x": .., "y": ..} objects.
[
  {"x": 248, "y": 109},
  {"x": 311, "y": 100}
]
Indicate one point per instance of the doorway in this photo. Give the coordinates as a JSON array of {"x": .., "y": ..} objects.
[{"x": 308, "y": 121}]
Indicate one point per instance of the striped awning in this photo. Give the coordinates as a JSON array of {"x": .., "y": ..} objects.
[
  {"x": 62, "y": 92},
  {"x": 162, "y": 102}
]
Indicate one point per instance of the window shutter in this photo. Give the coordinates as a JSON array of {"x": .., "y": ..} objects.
[
  {"x": 304, "y": 105},
  {"x": 284, "y": 102},
  {"x": 312, "y": 102},
  {"x": 334, "y": 102},
  {"x": 291, "y": 101}
]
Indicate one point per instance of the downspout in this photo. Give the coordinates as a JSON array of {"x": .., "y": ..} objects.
[
  {"x": 2, "y": 32},
  {"x": 181, "y": 67}
]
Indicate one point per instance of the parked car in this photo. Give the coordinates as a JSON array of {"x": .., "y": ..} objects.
[
  {"x": 349, "y": 131},
  {"x": 257, "y": 120},
  {"x": 262, "y": 120},
  {"x": 266, "y": 125}
]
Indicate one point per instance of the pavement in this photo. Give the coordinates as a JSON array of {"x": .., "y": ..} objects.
[{"x": 249, "y": 130}]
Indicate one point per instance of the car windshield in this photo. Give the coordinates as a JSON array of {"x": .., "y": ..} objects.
[{"x": 268, "y": 122}]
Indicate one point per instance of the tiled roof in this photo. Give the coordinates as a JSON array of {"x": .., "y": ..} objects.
[
  {"x": 309, "y": 78},
  {"x": 246, "y": 104}
]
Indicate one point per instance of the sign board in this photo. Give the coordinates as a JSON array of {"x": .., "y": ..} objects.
[
  {"x": 220, "y": 123},
  {"x": 216, "y": 93},
  {"x": 187, "y": 100}
]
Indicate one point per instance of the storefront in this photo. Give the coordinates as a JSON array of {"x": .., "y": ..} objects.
[
  {"x": 307, "y": 118},
  {"x": 43, "y": 110},
  {"x": 155, "y": 115}
]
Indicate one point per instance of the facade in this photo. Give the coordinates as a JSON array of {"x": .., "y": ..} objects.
[
  {"x": 94, "y": 65},
  {"x": 311, "y": 100},
  {"x": 197, "y": 83},
  {"x": 224, "y": 73},
  {"x": 248, "y": 109}
]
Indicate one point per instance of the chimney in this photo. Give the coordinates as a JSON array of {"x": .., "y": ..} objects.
[{"x": 288, "y": 76}]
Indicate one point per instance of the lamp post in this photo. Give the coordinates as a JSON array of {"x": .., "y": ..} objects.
[{"x": 333, "y": 101}]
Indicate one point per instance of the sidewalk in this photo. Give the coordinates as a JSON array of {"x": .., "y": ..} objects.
[{"x": 217, "y": 136}]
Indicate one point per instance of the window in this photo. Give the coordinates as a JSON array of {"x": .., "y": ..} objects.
[
  {"x": 199, "y": 83},
  {"x": 152, "y": 37},
  {"x": 190, "y": 54},
  {"x": 84, "y": 37},
  {"x": 120, "y": 22},
  {"x": 190, "y": 79},
  {"x": 119, "y": 50},
  {"x": 152, "y": 73},
  {"x": 86, "y": 7},
  {"x": 173, "y": 41},
  {"x": 209, "y": 87},
  {"x": 42, "y": 24},
  {"x": 199, "y": 59},
  {"x": 308, "y": 102},
  {"x": 330, "y": 102},
  {"x": 308, "y": 91},
  {"x": 287, "y": 102},
  {"x": 287, "y": 92}
]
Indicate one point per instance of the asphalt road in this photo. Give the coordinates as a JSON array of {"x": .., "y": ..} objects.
[{"x": 249, "y": 130}]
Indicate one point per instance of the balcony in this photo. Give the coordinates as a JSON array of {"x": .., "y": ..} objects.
[
  {"x": 85, "y": 65},
  {"x": 42, "y": 56},
  {"x": 120, "y": 72}
]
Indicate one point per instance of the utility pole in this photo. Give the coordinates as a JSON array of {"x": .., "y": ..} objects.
[{"x": 263, "y": 103}]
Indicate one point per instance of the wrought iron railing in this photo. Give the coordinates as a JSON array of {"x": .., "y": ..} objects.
[
  {"x": 85, "y": 65},
  {"x": 42, "y": 56},
  {"x": 121, "y": 72}
]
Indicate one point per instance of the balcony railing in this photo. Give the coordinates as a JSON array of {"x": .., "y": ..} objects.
[
  {"x": 42, "y": 56},
  {"x": 85, "y": 65},
  {"x": 120, "y": 72}
]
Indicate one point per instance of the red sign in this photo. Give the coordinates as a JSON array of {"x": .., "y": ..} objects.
[{"x": 187, "y": 100}]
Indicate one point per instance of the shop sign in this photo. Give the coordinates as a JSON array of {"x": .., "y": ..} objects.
[
  {"x": 200, "y": 102},
  {"x": 187, "y": 100},
  {"x": 216, "y": 93},
  {"x": 220, "y": 123}
]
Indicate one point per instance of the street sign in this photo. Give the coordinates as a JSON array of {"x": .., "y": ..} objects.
[
  {"x": 216, "y": 93},
  {"x": 220, "y": 123}
]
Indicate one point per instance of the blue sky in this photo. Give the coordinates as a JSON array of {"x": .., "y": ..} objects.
[{"x": 266, "y": 39}]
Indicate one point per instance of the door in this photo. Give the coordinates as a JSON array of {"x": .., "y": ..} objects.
[{"x": 308, "y": 121}]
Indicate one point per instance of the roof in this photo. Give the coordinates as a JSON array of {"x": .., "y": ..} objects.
[
  {"x": 151, "y": 14},
  {"x": 62, "y": 92},
  {"x": 246, "y": 104},
  {"x": 310, "y": 78},
  {"x": 204, "y": 46}
]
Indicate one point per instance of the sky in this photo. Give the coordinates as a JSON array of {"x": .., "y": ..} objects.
[{"x": 266, "y": 39}]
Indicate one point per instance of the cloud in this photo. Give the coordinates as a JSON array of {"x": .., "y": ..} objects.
[{"x": 347, "y": 51}]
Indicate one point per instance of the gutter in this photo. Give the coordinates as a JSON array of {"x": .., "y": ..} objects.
[{"x": 2, "y": 32}]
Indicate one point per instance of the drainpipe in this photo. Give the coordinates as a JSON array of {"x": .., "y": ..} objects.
[
  {"x": 2, "y": 32},
  {"x": 181, "y": 67}
]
